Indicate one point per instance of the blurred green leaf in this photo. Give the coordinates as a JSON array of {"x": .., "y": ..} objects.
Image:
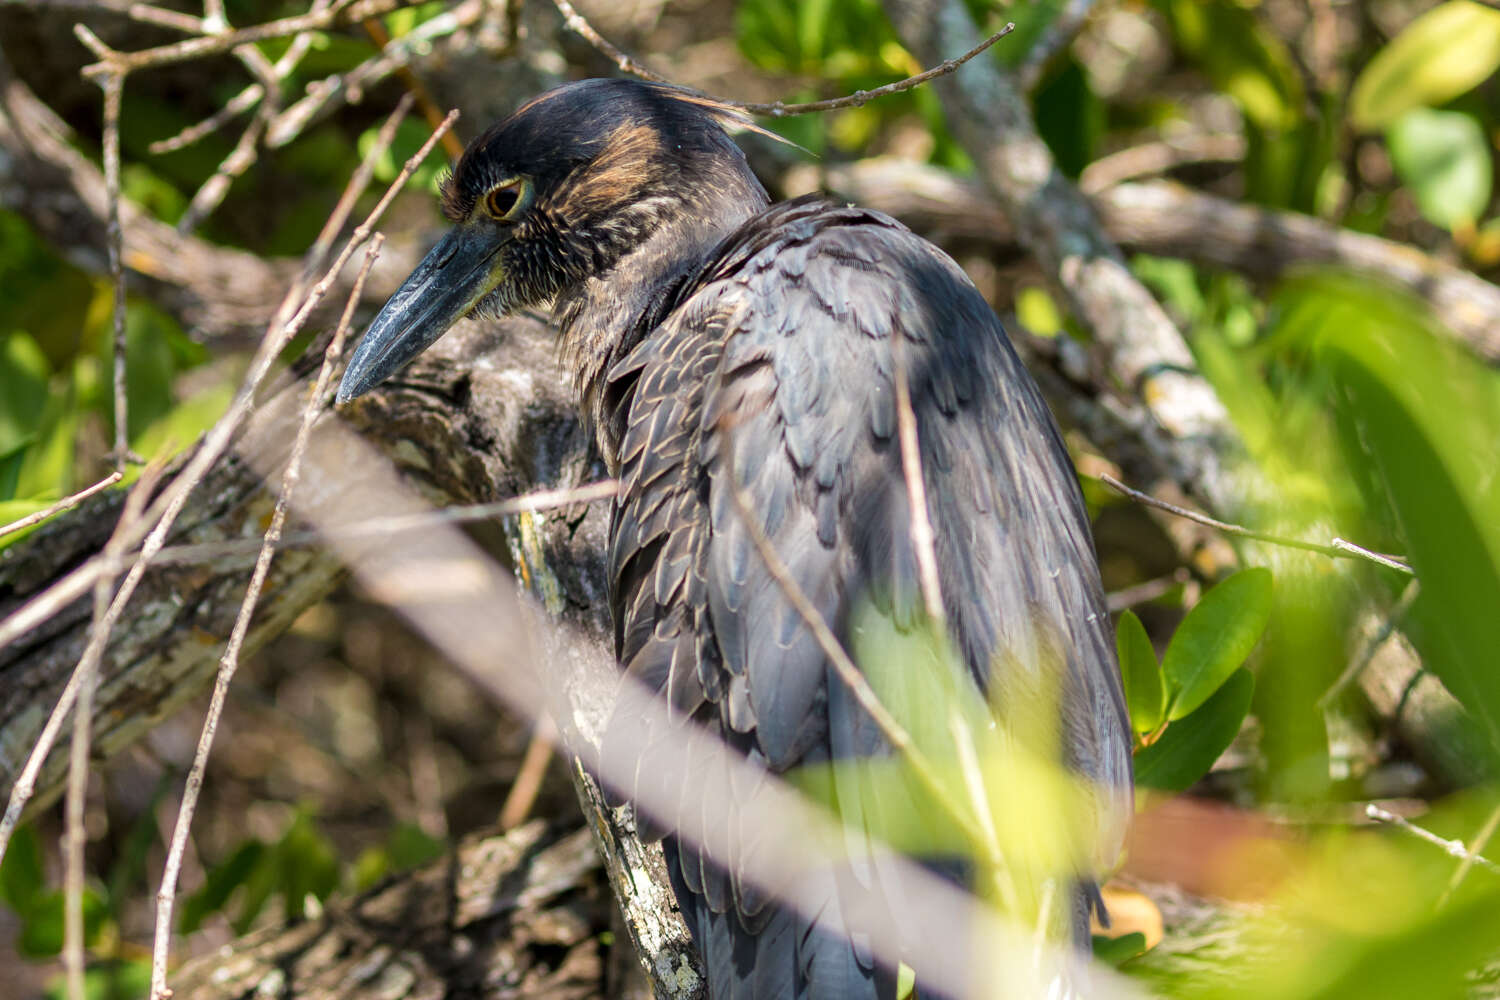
[
  {"x": 219, "y": 885},
  {"x": 410, "y": 135},
  {"x": 42, "y": 924},
  {"x": 23, "y": 391},
  {"x": 1444, "y": 158},
  {"x": 1215, "y": 638},
  {"x": 111, "y": 980},
  {"x": 1116, "y": 950},
  {"x": 1245, "y": 61},
  {"x": 1069, "y": 117},
  {"x": 1189, "y": 747},
  {"x": 21, "y": 876},
  {"x": 1144, "y": 694},
  {"x": 1438, "y": 56}
]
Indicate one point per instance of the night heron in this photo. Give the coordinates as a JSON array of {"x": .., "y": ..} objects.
[{"x": 726, "y": 349}]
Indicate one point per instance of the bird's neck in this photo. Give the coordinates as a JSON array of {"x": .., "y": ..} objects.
[{"x": 605, "y": 316}]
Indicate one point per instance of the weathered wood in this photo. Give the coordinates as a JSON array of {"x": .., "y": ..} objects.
[{"x": 510, "y": 915}]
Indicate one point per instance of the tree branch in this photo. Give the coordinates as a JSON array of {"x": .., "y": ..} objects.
[{"x": 523, "y": 909}]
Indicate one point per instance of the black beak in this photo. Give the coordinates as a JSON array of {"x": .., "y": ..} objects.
[{"x": 450, "y": 281}]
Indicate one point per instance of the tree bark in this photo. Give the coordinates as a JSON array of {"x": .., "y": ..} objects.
[{"x": 505, "y": 915}]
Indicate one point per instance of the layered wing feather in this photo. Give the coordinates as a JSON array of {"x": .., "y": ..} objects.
[{"x": 773, "y": 380}]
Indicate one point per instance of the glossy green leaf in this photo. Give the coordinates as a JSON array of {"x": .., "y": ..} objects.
[
  {"x": 1215, "y": 638},
  {"x": 1444, "y": 158},
  {"x": 1189, "y": 747},
  {"x": 1145, "y": 695},
  {"x": 1445, "y": 52}
]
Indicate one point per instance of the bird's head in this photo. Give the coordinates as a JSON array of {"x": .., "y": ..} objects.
[{"x": 564, "y": 190}]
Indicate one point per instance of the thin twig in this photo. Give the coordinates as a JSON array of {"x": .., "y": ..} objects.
[
  {"x": 202, "y": 552},
  {"x": 164, "y": 512},
  {"x": 780, "y": 109},
  {"x": 195, "y": 48},
  {"x": 895, "y": 734},
  {"x": 1454, "y": 848},
  {"x": 529, "y": 776},
  {"x": 167, "y": 892},
  {"x": 87, "y": 676},
  {"x": 211, "y": 193},
  {"x": 922, "y": 539},
  {"x": 66, "y": 503},
  {"x": 776, "y": 109},
  {"x": 114, "y": 86},
  {"x": 316, "y": 253},
  {"x": 1481, "y": 840},
  {"x": 236, "y": 106},
  {"x": 623, "y": 62},
  {"x": 1339, "y": 548},
  {"x": 417, "y": 89}
]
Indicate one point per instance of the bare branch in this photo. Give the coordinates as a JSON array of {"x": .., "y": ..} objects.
[
  {"x": 922, "y": 538},
  {"x": 1339, "y": 548},
  {"x": 167, "y": 892},
  {"x": 523, "y": 790},
  {"x": 776, "y": 109},
  {"x": 66, "y": 503},
  {"x": 1454, "y": 848},
  {"x": 195, "y": 48},
  {"x": 87, "y": 674}
]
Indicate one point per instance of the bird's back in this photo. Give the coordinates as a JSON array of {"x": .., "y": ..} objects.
[{"x": 766, "y": 385}]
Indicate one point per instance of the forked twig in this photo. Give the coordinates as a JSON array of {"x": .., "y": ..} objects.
[
  {"x": 776, "y": 109},
  {"x": 167, "y": 893},
  {"x": 1454, "y": 848},
  {"x": 1339, "y": 548}
]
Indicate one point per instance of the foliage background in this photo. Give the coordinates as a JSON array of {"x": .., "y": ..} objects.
[{"x": 351, "y": 751}]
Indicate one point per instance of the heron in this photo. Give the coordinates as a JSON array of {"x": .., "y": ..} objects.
[{"x": 726, "y": 348}]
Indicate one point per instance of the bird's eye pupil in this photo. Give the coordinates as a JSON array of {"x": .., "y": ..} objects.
[{"x": 502, "y": 201}]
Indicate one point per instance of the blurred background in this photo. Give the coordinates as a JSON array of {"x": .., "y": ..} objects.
[{"x": 1306, "y": 186}]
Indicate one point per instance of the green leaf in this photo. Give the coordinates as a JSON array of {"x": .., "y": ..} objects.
[
  {"x": 1116, "y": 950},
  {"x": 1447, "y": 51},
  {"x": 112, "y": 980},
  {"x": 1190, "y": 746},
  {"x": 1418, "y": 416},
  {"x": 1444, "y": 158},
  {"x": 23, "y": 391},
  {"x": 225, "y": 877},
  {"x": 1144, "y": 694},
  {"x": 42, "y": 927},
  {"x": 1215, "y": 638},
  {"x": 21, "y": 875},
  {"x": 1243, "y": 60}
]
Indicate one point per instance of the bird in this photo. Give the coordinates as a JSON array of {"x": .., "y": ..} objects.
[{"x": 737, "y": 363}]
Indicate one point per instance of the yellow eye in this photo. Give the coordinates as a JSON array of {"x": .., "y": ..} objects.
[{"x": 505, "y": 201}]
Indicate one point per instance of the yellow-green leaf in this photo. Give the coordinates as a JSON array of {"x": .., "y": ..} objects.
[
  {"x": 1447, "y": 51},
  {"x": 1144, "y": 694}
]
